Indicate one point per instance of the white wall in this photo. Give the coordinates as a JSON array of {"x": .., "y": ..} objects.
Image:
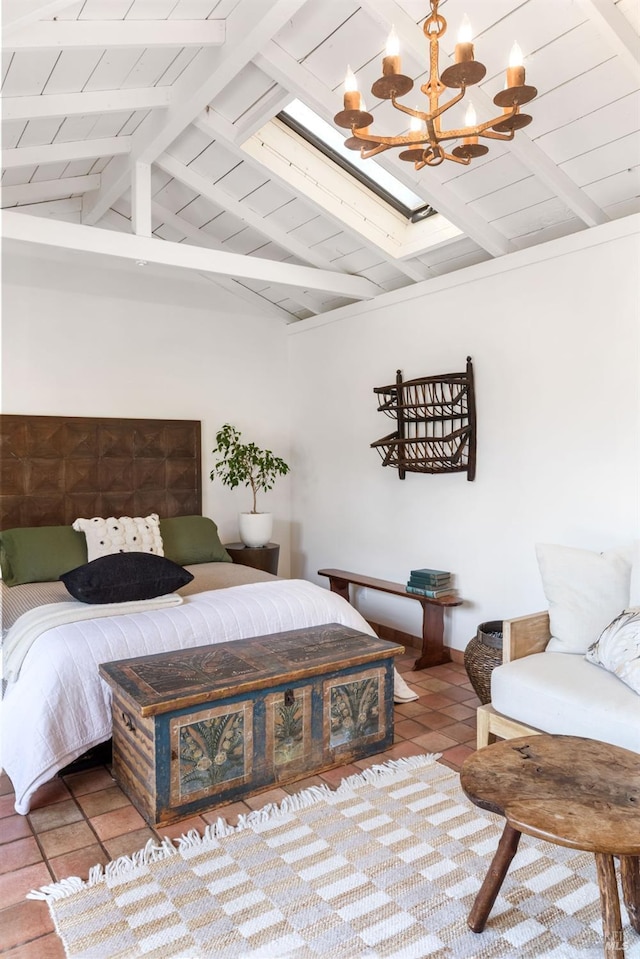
[
  {"x": 555, "y": 351},
  {"x": 84, "y": 339},
  {"x": 555, "y": 348}
]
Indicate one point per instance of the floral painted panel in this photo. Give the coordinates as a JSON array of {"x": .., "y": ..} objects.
[
  {"x": 355, "y": 711},
  {"x": 211, "y": 752},
  {"x": 288, "y": 730}
]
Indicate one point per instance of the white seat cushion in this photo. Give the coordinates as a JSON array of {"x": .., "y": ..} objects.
[{"x": 564, "y": 694}]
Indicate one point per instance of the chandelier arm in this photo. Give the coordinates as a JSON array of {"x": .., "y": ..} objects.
[
  {"x": 410, "y": 111},
  {"x": 365, "y": 154},
  {"x": 480, "y": 129},
  {"x": 450, "y": 103},
  {"x": 464, "y": 161},
  {"x": 386, "y": 142},
  {"x": 492, "y": 135},
  {"x": 435, "y": 113}
]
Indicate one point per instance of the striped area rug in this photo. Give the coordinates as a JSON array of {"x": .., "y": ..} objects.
[{"x": 387, "y": 865}]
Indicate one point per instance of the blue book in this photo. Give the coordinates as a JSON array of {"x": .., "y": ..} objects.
[
  {"x": 430, "y": 573},
  {"x": 430, "y": 579},
  {"x": 434, "y": 579},
  {"x": 431, "y": 593}
]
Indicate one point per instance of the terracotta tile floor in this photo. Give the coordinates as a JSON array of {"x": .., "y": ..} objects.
[{"x": 82, "y": 819}]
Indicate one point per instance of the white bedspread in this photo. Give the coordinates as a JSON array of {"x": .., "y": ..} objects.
[
  {"x": 59, "y": 707},
  {"x": 21, "y": 637}
]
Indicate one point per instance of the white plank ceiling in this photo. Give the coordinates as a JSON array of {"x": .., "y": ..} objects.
[{"x": 145, "y": 129}]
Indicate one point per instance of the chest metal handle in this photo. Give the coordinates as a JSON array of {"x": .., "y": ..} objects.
[{"x": 126, "y": 719}]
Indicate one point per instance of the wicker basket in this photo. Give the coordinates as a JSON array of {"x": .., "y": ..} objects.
[{"x": 482, "y": 655}]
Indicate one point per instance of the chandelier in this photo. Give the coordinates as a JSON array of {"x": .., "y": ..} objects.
[{"x": 423, "y": 143}]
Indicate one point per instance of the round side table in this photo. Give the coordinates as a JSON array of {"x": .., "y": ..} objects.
[
  {"x": 258, "y": 557},
  {"x": 570, "y": 791}
]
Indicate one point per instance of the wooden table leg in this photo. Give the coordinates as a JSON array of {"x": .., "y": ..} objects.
[
  {"x": 630, "y": 881},
  {"x": 339, "y": 586},
  {"x": 610, "y": 905},
  {"x": 507, "y": 848},
  {"x": 434, "y": 652}
]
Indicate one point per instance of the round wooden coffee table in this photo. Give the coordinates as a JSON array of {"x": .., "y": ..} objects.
[{"x": 569, "y": 791}]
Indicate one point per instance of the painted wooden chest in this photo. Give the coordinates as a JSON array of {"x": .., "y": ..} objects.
[{"x": 198, "y": 728}]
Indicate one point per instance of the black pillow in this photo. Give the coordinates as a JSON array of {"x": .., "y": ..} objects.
[{"x": 123, "y": 577}]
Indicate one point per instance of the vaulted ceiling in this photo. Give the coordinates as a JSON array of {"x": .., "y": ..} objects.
[{"x": 147, "y": 130}]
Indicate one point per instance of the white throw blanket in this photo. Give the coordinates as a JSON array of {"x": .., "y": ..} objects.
[
  {"x": 23, "y": 634},
  {"x": 59, "y": 707}
]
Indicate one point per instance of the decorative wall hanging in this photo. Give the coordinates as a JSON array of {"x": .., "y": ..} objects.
[{"x": 436, "y": 424}]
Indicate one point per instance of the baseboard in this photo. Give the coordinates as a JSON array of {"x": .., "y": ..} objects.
[{"x": 406, "y": 639}]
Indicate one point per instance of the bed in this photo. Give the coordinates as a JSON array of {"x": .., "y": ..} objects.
[{"x": 55, "y": 707}]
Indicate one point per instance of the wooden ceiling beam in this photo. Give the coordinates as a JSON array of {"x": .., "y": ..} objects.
[
  {"x": 68, "y": 206},
  {"x": 74, "y": 236},
  {"x": 101, "y": 34},
  {"x": 65, "y": 152},
  {"x": 42, "y": 190},
  {"x": 81, "y": 104},
  {"x": 17, "y": 14},
  {"x": 141, "y": 199}
]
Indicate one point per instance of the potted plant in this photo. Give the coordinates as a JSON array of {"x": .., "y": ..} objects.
[{"x": 246, "y": 464}]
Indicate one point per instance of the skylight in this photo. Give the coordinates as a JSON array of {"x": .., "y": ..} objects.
[{"x": 330, "y": 141}]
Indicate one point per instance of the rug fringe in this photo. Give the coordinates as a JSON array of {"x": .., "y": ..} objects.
[
  {"x": 152, "y": 852},
  {"x": 294, "y": 803},
  {"x": 192, "y": 840},
  {"x": 374, "y": 774}
]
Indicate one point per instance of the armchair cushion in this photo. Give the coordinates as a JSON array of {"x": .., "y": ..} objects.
[
  {"x": 564, "y": 694},
  {"x": 585, "y": 591}
]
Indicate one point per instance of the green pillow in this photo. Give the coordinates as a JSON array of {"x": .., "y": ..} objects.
[
  {"x": 192, "y": 539},
  {"x": 40, "y": 554}
]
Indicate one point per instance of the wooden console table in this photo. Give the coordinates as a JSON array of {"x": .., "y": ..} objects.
[{"x": 434, "y": 652}]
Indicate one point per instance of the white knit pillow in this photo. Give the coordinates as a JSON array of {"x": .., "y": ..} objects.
[
  {"x": 618, "y": 648},
  {"x": 124, "y": 534}
]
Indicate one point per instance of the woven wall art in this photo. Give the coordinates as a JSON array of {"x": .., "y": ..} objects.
[{"x": 435, "y": 424}]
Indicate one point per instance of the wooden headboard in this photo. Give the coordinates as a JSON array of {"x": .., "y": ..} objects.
[{"x": 57, "y": 468}]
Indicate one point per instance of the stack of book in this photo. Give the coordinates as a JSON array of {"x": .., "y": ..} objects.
[{"x": 430, "y": 582}]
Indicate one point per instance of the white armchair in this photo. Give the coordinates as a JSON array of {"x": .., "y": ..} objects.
[{"x": 536, "y": 691}]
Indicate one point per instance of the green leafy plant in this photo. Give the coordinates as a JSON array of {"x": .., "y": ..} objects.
[{"x": 244, "y": 463}]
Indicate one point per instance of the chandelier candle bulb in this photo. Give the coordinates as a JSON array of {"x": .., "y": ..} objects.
[
  {"x": 464, "y": 46},
  {"x": 391, "y": 59},
  {"x": 470, "y": 118},
  {"x": 351, "y": 94},
  {"x": 515, "y": 70}
]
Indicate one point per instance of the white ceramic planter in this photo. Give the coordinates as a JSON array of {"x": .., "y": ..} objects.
[{"x": 256, "y": 528}]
